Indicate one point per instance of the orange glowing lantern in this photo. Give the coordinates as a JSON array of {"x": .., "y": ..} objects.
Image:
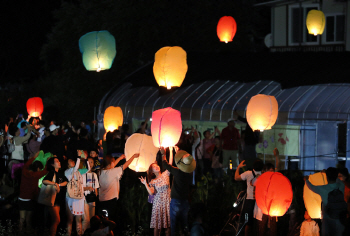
[
  {"x": 226, "y": 29},
  {"x": 166, "y": 127},
  {"x": 35, "y": 106},
  {"x": 142, "y": 144},
  {"x": 273, "y": 193},
  {"x": 170, "y": 66},
  {"x": 313, "y": 200},
  {"x": 262, "y": 112},
  {"x": 113, "y": 118}
]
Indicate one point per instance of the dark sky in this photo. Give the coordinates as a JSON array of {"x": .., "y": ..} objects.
[{"x": 23, "y": 27}]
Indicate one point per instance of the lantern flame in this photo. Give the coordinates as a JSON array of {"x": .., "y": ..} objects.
[
  {"x": 98, "y": 69},
  {"x": 168, "y": 86},
  {"x": 137, "y": 168}
]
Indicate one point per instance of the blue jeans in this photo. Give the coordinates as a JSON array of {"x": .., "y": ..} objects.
[{"x": 178, "y": 213}]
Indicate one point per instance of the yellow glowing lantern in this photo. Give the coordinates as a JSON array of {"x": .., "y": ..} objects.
[
  {"x": 313, "y": 200},
  {"x": 166, "y": 127},
  {"x": 170, "y": 66},
  {"x": 113, "y": 118},
  {"x": 262, "y": 112},
  {"x": 315, "y": 22},
  {"x": 143, "y": 144}
]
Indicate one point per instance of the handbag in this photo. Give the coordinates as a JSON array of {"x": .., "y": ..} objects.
[
  {"x": 91, "y": 197},
  {"x": 75, "y": 187},
  {"x": 47, "y": 195}
]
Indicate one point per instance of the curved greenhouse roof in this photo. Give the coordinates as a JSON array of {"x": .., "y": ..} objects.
[{"x": 216, "y": 100}]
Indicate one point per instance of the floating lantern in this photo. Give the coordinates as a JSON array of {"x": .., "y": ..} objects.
[
  {"x": 166, "y": 127},
  {"x": 170, "y": 66},
  {"x": 142, "y": 144},
  {"x": 315, "y": 22},
  {"x": 113, "y": 118},
  {"x": 262, "y": 112},
  {"x": 226, "y": 29},
  {"x": 273, "y": 193},
  {"x": 98, "y": 50},
  {"x": 35, "y": 106},
  {"x": 313, "y": 200}
]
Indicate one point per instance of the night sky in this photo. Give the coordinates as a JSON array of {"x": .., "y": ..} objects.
[{"x": 24, "y": 26}]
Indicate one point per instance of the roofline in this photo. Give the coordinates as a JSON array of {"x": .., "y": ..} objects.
[{"x": 278, "y": 2}]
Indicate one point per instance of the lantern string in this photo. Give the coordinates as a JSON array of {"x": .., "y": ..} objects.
[
  {"x": 98, "y": 58},
  {"x": 267, "y": 190}
]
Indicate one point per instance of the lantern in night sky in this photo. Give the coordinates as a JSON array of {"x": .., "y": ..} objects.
[
  {"x": 170, "y": 66},
  {"x": 273, "y": 193},
  {"x": 113, "y": 118},
  {"x": 142, "y": 144},
  {"x": 313, "y": 200},
  {"x": 262, "y": 112},
  {"x": 35, "y": 106},
  {"x": 226, "y": 29},
  {"x": 315, "y": 22},
  {"x": 166, "y": 127},
  {"x": 98, "y": 50}
]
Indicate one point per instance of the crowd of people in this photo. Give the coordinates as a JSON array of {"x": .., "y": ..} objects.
[{"x": 64, "y": 172}]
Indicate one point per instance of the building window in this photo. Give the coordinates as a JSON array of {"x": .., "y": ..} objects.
[
  {"x": 298, "y": 33},
  {"x": 335, "y": 25}
]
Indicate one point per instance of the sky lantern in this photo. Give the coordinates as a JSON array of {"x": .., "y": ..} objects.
[
  {"x": 170, "y": 66},
  {"x": 113, "y": 118},
  {"x": 273, "y": 193},
  {"x": 262, "y": 112},
  {"x": 226, "y": 29},
  {"x": 166, "y": 127},
  {"x": 143, "y": 144},
  {"x": 35, "y": 106},
  {"x": 313, "y": 200},
  {"x": 315, "y": 22},
  {"x": 98, "y": 50}
]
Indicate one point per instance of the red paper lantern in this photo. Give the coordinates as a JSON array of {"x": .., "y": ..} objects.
[
  {"x": 273, "y": 193},
  {"x": 166, "y": 127},
  {"x": 226, "y": 29},
  {"x": 35, "y": 106}
]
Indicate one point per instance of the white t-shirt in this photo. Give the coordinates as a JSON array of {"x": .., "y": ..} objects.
[
  {"x": 109, "y": 183},
  {"x": 309, "y": 229},
  {"x": 248, "y": 176},
  {"x": 90, "y": 180}
]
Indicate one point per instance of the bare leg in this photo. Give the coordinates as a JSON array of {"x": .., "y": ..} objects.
[
  {"x": 29, "y": 221},
  {"x": 168, "y": 231},
  {"x": 157, "y": 232},
  {"x": 55, "y": 217},
  {"x": 78, "y": 225},
  {"x": 86, "y": 217},
  {"x": 70, "y": 217},
  {"x": 22, "y": 219}
]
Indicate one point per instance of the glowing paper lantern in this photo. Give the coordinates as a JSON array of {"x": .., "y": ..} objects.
[
  {"x": 143, "y": 144},
  {"x": 315, "y": 22},
  {"x": 113, "y": 118},
  {"x": 273, "y": 193},
  {"x": 226, "y": 29},
  {"x": 262, "y": 112},
  {"x": 35, "y": 106},
  {"x": 170, "y": 66},
  {"x": 313, "y": 200},
  {"x": 166, "y": 127},
  {"x": 98, "y": 50}
]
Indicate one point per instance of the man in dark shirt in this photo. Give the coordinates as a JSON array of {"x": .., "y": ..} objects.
[
  {"x": 230, "y": 144},
  {"x": 180, "y": 188}
]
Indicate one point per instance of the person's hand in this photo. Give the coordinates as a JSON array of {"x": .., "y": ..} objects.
[
  {"x": 176, "y": 149},
  {"x": 276, "y": 152},
  {"x": 122, "y": 157},
  {"x": 162, "y": 150},
  {"x": 143, "y": 180},
  {"x": 91, "y": 189},
  {"x": 136, "y": 155},
  {"x": 241, "y": 164},
  {"x": 306, "y": 178},
  {"x": 171, "y": 149}
]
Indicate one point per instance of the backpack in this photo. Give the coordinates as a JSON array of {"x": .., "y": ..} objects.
[
  {"x": 75, "y": 186},
  {"x": 336, "y": 207}
]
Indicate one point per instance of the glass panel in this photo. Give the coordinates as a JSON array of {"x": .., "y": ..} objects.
[
  {"x": 309, "y": 37},
  {"x": 340, "y": 26},
  {"x": 330, "y": 28},
  {"x": 296, "y": 27}
]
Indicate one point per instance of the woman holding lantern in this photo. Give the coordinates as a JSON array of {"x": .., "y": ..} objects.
[{"x": 159, "y": 185}]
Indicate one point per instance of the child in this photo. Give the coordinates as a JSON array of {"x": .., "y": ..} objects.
[{"x": 309, "y": 227}]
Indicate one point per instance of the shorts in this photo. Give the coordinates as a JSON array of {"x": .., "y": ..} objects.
[
  {"x": 248, "y": 208},
  {"x": 26, "y": 205},
  {"x": 230, "y": 155}
]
